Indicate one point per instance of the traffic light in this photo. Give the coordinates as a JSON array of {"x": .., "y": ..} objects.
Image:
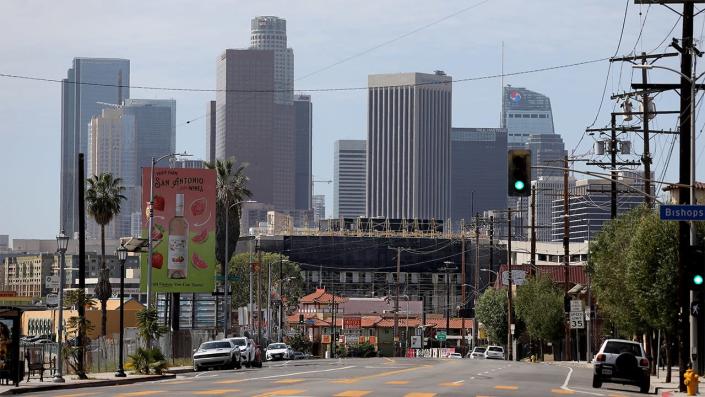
[
  {"x": 519, "y": 168},
  {"x": 694, "y": 271}
]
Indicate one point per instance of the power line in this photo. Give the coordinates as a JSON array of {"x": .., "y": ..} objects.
[{"x": 329, "y": 89}]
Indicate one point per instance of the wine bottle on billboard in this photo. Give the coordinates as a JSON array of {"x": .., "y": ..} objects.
[{"x": 178, "y": 242}]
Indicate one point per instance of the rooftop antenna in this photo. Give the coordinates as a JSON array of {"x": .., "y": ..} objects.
[{"x": 501, "y": 115}]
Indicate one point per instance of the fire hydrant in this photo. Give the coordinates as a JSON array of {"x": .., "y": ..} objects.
[{"x": 690, "y": 379}]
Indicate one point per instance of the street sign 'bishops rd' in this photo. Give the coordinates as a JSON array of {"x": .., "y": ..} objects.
[{"x": 682, "y": 212}]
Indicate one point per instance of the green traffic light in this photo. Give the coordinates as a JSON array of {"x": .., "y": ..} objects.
[
  {"x": 698, "y": 279},
  {"x": 519, "y": 185}
]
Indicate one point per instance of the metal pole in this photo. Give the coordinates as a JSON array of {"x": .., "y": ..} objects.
[
  {"x": 509, "y": 289},
  {"x": 566, "y": 242},
  {"x": 445, "y": 343},
  {"x": 693, "y": 239},
  {"x": 475, "y": 323},
  {"x": 58, "y": 377},
  {"x": 396, "y": 304},
  {"x": 224, "y": 271},
  {"x": 588, "y": 317},
  {"x": 81, "y": 372},
  {"x": 149, "y": 237},
  {"x": 281, "y": 299},
  {"x": 269, "y": 301},
  {"x": 120, "y": 373}
]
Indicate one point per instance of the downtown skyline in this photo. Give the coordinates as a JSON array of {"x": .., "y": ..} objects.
[{"x": 32, "y": 118}]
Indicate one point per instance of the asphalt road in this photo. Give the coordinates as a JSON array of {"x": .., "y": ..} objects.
[{"x": 373, "y": 377}]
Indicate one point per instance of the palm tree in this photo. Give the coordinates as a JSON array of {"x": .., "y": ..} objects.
[
  {"x": 230, "y": 187},
  {"x": 103, "y": 198}
]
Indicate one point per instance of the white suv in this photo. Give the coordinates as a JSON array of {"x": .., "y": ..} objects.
[
  {"x": 621, "y": 361},
  {"x": 248, "y": 350},
  {"x": 496, "y": 352}
]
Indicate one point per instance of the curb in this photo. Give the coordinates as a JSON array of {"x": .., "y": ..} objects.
[
  {"x": 179, "y": 370},
  {"x": 81, "y": 385}
]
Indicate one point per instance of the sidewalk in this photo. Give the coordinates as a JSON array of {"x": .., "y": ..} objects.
[{"x": 94, "y": 380}]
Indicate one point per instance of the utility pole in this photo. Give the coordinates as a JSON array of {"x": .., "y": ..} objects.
[
  {"x": 269, "y": 301},
  {"x": 646, "y": 156},
  {"x": 462, "y": 284},
  {"x": 491, "y": 242},
  {"x": 447, "y": 269},
  {"x": 81, "y": 183},
  {"x": 259, "y": 299},
  {"x": 613, "y": 168},
  {"x": 532, "y": 261},
  {"x": 566, "y": 247},
  {"x": 509, "y": 289},
  {"x": 281, "y": 298},
  {"x": 475, "y": 323}
]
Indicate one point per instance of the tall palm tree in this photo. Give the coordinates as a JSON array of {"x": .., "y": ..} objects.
[
  {"x": 231, "y": 187},
  {"x": 103, "y": 198}
]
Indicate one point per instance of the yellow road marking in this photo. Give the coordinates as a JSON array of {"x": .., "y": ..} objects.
[
  {"x": 451, "y": 384},
  {"x": 229, "y": 382},
  {"x": 178, "y": 382},
  {"x": 419, "y": 395},
  {"x": 141, "y": 393},
  {"x": 506, "y": 387},
  {"x": 353, "y": 393},
  {"x": 286, "y": 381},
  {"x": 359, "y": 378},
  {"x": 76, "y": 395},
  {"x": 389, "y": 360},
  {"x": 281, "y": 392},
  {"x": 562, "y": 391},
  {"x": 215, "y": 391},
  {"x": 397, "y": 382}
]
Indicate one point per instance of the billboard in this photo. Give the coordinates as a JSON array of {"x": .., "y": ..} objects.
[{"x": 183, "y": 235}]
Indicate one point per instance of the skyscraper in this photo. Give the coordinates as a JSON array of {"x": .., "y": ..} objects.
[
  {"x": 349, "y": 178},
  {"x": 319, "y": 207},
  {"x": 546, "y": 150},
  {"x": 88, "y": 82},
  {"x": 548, "y": 189},
  {"x": 525, "y": 113},
  {"x": 408, "y": 145},
  {"x": 210, "y": 131},
  {"x": 269, "y": 33},
  {"x": 252, "y": 128},
  {"x": 478, "y": 171},
  {"x": 303, "y": 136},
  {"x": 122, "y": 140}
]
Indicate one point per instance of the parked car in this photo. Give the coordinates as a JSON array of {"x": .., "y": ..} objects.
[
  {"x": 298, "y": 356},
  {"x": 278, "y": 351},
  {"x": 247, "y": 350},
  {"x": 455, "y": 356},
  {"x": 477, "y": 353},
  {"x": 494, "y": 352},
  {"x": 621, "y": 361},
  {"x": 219, "y": 353}
]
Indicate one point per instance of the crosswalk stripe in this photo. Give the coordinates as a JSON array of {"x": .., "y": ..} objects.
[
  {"x": 506, "y": 387},
  {"x": 215, "y": 391},
  {"x": 353, "y": 393}
]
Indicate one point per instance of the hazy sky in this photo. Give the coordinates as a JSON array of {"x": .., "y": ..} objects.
[{"x": 173, "y": 43}]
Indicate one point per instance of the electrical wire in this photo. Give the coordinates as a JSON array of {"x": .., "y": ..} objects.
[{"x": 329, "y": 89}]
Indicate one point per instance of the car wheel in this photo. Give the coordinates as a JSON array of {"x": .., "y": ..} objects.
[
  {"x": 238, "y": 363},
  {"x": 645, "y": 385},
  {"x": 196, "y": 368},
  {"x": 247, "y": 364},
  {"x": 596, "y": 382}
]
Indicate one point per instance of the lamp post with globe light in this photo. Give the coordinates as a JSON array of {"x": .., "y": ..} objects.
[
  {"x": 62, "y": 242},
  {"x": 121, "y": 253}
]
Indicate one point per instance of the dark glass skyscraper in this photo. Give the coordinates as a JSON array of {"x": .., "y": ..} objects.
[
  {"x": 88, "y": 82},
  {"x": 303, "y": 135},
  {"x": 478, "y": 171}
]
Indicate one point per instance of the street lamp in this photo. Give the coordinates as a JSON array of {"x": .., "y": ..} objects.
[
  {"x": 151, "y": 221},
  {"x": 226, "y": 268},
  {"x": 496, "y": 274},
  {"x": 121, "y": 253},
  {"x": 62, "y": 242}
]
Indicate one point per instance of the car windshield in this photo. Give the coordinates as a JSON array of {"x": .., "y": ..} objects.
[
  {"x": 239, "y": 342},
  {"x": 479, "y": 350},
  {"x": 495, "y": 349},
  {"x": 276, "y": 346},
  {"x": 215, "y": 345},
  {"x": 623, "y": 347}
]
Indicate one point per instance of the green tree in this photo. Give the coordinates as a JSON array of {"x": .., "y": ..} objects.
[
  {"x": 608, "y": 270},
  {"x": 103, "y": 199},
  {"x": 231, "y": 188},
  {"x": 491, "y": 310},
  {"x": 539, "y": 304},
  {"x": 77, "y": 328},
  {"x": 148, "y": 326},
  {"x": 240, "y": 266}
]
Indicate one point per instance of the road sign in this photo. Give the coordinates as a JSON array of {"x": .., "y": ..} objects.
[
  {"x": 682, "y": 212},
  {"x": 416, "y": 342},
  {"x": 577, "y": 320},
  {"x": 52, "y": 300},
  {"x": 52, "y": 282},
  {"x": 576, "y": 305},
  {"x": 518, "y": 277},
  {"x": 441, "y": 336}
]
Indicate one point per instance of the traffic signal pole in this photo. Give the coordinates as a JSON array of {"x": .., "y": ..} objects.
[
  {"x": 566, "y": 251},
  {"x": 509, "y": 289}
]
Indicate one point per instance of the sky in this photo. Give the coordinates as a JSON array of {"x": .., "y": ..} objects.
[{"x": 337, "y": 44}]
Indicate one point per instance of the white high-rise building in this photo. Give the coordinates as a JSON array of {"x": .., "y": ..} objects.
[
  {"x": 408, "y": 145},
  {"x": 269, "y": 33},
  {"x": 319, "y": 207},
  {"x": 350, "y": 168}
]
